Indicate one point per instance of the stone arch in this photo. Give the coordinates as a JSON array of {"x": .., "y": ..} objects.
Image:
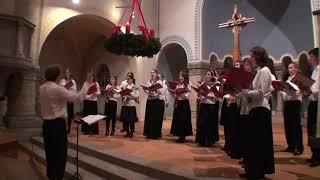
[
  {"x": 181, "y": 41},
  {"x": 103, "y": 74},
  {"x": 171, "y": 59}
]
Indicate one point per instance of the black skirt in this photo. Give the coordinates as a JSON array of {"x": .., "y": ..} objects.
[
  {"x": 260, "y": 152},
  {"x": 128, "y": 114},
  {"x": 90, "y": 108},
  {"x": 208, "y": 131},
  {"x": 242, "y": 138},
  {"x": 153, "y": 118},
  {"x": 181, "y": 121},
  {"x": 224, "y": 113},
  {"x": 110, "y": 109}
]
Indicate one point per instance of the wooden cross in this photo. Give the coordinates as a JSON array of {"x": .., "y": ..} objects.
[{"x": 236, "y": 23}]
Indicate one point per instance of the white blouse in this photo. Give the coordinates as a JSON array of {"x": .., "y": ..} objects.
[
  {"x": 93, "y": 96},
  {"x": 291, "y": 95},
  {"x": 133, "y": 98},
  {"x": 315, "y": 86},
  {"x": 115, "y": 96},
  {"x": 261, "y": 88},
  {"x": 184, "y": 96},
  {"x": 209, "y": 99}
]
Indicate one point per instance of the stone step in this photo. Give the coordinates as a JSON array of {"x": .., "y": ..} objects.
[
  {"x": 154, "y": 169},
  {"x": 39, "y": 155},
  {"x": 99, "y": 167}
]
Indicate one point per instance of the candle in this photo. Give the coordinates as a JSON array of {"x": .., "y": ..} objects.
[
  {"x": 127, "y": 28},
  {"x": 152, "y": 33}
]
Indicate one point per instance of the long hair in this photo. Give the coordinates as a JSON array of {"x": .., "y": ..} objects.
[
  {"x": 185, "y": 76},
  {"x": 213, "y": 74},
  {"x": 115, "y": 80},
  {"x": 131, "y": 76},
  {"x": 157, "y": 78},
  {"x": 260, "y": 55}
]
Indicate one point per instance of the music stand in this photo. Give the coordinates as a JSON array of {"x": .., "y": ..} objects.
[{"x": 78, "y": 121}]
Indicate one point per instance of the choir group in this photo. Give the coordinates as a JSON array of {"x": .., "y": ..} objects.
[{"x": 245, "y": 113}]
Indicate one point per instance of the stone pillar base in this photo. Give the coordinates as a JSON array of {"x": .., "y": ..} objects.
[{"x": 24, "y": 127}]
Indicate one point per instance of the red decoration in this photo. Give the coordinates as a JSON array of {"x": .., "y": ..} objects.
[
  {"x": 127, "y": 28},
  {"x": 142, "y": 27}
]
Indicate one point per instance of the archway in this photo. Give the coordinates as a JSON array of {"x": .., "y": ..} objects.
[
  {"x": 172, "y": 58},
  {"x": 78, "y": 44}
]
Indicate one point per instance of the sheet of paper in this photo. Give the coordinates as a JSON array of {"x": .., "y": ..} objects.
[{"x": 91, "y": 119}]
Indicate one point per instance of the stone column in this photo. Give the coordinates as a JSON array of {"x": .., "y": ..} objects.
[
  {"x": 20, "y": 40},
  {"x": 22, "y": 116},
  {"x": 197, "y": 70}
]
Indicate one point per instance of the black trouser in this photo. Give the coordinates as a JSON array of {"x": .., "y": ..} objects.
[
  {"x": 129, "y": 126},
  {"x": 55, "y": 145},
  {"x": 292, "y": 125},
  {"x": 111, "y": 113},
  {"x": 312, "y": 127},
  {"x": 70, "y": 110}
]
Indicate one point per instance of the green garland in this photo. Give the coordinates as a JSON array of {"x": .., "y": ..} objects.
[{"x": 132, "y": 45}]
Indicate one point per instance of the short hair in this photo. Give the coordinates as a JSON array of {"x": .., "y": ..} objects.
[
  {"x": 260, "y": 55},
  {"x": 52, "y": 72},
  {"x": 314, "y": 51}
]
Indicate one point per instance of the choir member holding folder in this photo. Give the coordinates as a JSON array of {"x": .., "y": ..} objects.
[
  {"x": 153, "y": 115},
  {"x": 69, "y": 83},
  {"x": 260, "y": 153},
  {"x": 90, "y": 105},
  {"x": 208, "y": 130},
  {"x": 53, "y": 101},
  {"x": 313, "y": 106},
  {"x": 292, "y": 98},
  {"x": 181, "y": 121},
  {"x": 112, "y": 96},
  {"x": 130, "y": 96}
]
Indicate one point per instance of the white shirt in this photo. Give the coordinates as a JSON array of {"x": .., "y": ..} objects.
[
  {"x": 209, "y": 99},
  {"x": 273, "y": 78},
  {"x": 131, "y": 100},
  {"x": 115, "y": 96},
  {"x": 291, "y": 95},
  {"x": 53, "y": 99},
  {"x": 315, "y": 86},
  {"x": 164, "y": 94},
  {"x": 153, "y": 94},
  {"x": 261, "y": 88},
  {"x": 184, "y": 96},
  {"x": 93, "y": 96}
]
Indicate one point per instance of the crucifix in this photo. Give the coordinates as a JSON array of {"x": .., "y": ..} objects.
[{"x": 236, "y": 23}]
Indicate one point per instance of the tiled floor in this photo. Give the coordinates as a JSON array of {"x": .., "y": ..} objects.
[{"x": 204, "y": 162}]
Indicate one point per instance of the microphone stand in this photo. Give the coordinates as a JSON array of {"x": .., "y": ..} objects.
[{"x": 77, "y": 176}]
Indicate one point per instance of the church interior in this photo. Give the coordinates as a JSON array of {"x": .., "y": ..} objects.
[{"x": 36, "y": 34}]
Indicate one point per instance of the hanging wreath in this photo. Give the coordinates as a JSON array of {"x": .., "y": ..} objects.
[{"x": 145, "y": 44}]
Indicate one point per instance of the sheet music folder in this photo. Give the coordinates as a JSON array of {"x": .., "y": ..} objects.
[{"x": 91, "y": 119}]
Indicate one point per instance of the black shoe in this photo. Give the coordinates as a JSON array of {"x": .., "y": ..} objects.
[
  {"x": 122, "y": 130},
  {"x": 314, "y": 164},
  {"x": 107, "y": 133},
  {"x": 131, "y": 134},
  {"x": 181, "y": 140},
  {"x": 310, "y": 160},
  {"x": 127, "y": 135},
  {"x": 297, "y": 153},
  {"x": 112, "y": 133},
  {"x": 243, "y": 175},
  {"x": 288, "y": 150}
]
